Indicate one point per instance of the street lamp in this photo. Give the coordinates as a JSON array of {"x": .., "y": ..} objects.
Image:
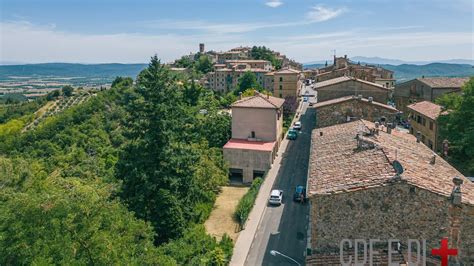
[{"x": 274, "y": 253}]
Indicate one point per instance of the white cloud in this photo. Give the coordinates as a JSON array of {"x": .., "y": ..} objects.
[
  {"x": 320, "y": 13},
  {"x": 26, "y": 42},
  {"x": 274, "y": 3}
]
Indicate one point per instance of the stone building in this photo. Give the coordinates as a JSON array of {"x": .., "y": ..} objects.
[
  {"x": 425, "y": 89},
  {"x": 342, "y": 66},
  {"x": 224, "y": 79},
  {"x": 250, "y": 64},
  {"x": 368, "y": 182},
  {"x": 287, "y": 82},
  {"x": 257, "y": 131},
  {"x": 349, "y": 108},
  {"x": 349, "y": 86},
  {"x": 423, "y": 119}
]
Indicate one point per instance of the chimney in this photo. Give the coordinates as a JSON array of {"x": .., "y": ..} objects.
[
  {"x": 389, "y": 128},
  {"x": 456, "y": 195},
  {"x": 418, "y": 136},
  {"x": 433, "y": 159},
  {"x": 371, "y": 99},
  {"x": 359, "y": 96},
  {"x": 240, "y": 95}
]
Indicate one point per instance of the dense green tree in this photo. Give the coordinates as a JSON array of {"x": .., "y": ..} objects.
[
  {"x": 458, "y": 128},
  {"x": 449, "y": 100},
  {"x": 204, "y": 64},
  {"x": 247, "y": 81},
  {"x": 263, "y": 53},
  {"x": 122, "y": 81},
  {"x": 67, "y": 90},
  {"x": 53, "y": 220}
]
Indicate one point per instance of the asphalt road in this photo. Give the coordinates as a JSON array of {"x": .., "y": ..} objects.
[{"x": 284, "y": 228}]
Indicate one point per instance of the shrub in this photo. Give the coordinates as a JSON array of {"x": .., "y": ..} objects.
[{"x": 246, "y": 202}]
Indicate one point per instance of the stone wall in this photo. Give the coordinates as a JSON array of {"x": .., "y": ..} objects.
[
  {"x": 353, "y": 87},
  {"x": 248, "y": 161},
  {"x": 337, "y": 113},
  {"x": 399, "y": 211}
]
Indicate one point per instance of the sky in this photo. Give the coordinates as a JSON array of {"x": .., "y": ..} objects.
[{"x": 126, "y": 31}]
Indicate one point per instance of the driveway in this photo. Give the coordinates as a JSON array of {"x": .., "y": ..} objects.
[{"x": 284, "y": 228}]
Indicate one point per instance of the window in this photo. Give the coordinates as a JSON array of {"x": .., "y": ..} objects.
[
  {"x": 418, "y": 119},
  {"x": 281, "y": 87},
  {"x": 423, "y": 121},
  {"x": 281, "y": 95},
  {"x": 431, "y": 125},
  {"x": 281, "y": 79},
  {"x": 253, "y": 134}
]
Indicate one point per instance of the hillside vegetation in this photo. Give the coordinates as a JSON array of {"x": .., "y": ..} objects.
[{"x": 126, "y": 177}]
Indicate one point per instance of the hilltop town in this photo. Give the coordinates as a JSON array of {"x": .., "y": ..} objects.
[{"x": 254, "y": 156}]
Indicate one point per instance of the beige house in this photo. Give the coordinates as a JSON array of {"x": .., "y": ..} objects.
[
  {"x": 224, "y": 79},
  {"x": 367, "y": 182},
  {"x": 287, "y": 82},
  {"x": 257, "y": 131},
  {"x": 257, "y": 64},
  {"x": 423, "y": 120},
  {"x": 349, "y": 86}
]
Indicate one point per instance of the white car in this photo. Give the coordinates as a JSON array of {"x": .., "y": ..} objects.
[
  {"x": 297, "y": 125},
  {"x": 276, "y": 197}
]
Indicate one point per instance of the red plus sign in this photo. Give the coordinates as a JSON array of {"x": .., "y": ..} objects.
[{"x": 444, "y": 252}]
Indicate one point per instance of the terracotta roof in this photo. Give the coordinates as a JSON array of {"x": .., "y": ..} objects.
[
  {"x": 353, "y": 98},
  {"x": 336, "y": 165},
  {"x": 287, "y": 71},
  {"x": 426, "y": 108},
  {"x": 243, "y": 144},
  {"x": 333, "y": 81},
  {"x": 260, "y": 101},
  {"x": 444, "y": 82}
]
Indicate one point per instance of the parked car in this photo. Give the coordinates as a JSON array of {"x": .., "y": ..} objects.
[
  {"x": 276, "y": 197},
  {"x": 292, "y": 134},
  {"x": 297, "y": 125},
  {"x": 300, "y": 191},
  {"x": 305, "y": 99}
]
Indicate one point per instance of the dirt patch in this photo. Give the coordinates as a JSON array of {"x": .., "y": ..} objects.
[{"x": 221, "y": 219}]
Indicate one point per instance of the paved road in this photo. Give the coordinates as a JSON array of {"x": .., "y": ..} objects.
[{"x": 284, "y": 228}]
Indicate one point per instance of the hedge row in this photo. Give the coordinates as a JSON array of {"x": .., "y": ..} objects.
[{"x": 246, "y": 202}]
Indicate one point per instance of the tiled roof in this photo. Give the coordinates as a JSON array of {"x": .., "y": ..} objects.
[
  {"x": 336, "y": 165},
  {"x": 353, "y": 98},
  {"x": 243, "y": 144},
  {"x": 287, "y": 71},
  {"x": 444, "y": 82},
  {"x": 260, "y": 101},
  {"x": 333, "y": 81},
  {"x": 426, "y": 108}
]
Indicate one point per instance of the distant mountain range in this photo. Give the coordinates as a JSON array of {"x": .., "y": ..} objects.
[
  {"x": 71, "y": 70},
  {"x": 385, "y": 61}
]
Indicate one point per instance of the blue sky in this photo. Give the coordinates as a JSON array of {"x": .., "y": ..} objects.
[{"x": 95, "y": 31}]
